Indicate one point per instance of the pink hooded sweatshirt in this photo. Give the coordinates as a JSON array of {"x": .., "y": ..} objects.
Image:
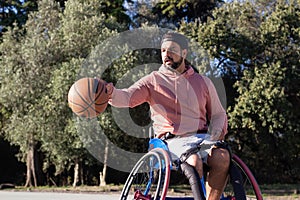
[{"x": 179, "y": 103}]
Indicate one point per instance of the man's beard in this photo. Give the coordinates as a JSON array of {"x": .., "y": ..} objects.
[{"x": 175, "y": 65}]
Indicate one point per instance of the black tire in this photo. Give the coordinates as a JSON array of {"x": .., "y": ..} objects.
[
  {"x": 242, "y": 184},
  {"x": 236, "y": 180},
  {"x": 147, "y": 178}
]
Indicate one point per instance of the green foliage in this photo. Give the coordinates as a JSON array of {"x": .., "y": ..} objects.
[
  {"x": 116, "y": 10},
  {"x": 233, "y": 36},
  {"x": 189, "y": 10},
  {"x": 198, "y": 56},
  {"x": 41, "y": 63},
  {"x": 83, "y": 26},
  {"x": 23, "y": 79},
  {"x": 256, "y": 48},
  {"x": 15, "y": 11},
  {"x": 265, "y": 116},
  {"x": 166, "y": 13},
  {"x": 60, "y": 141}
]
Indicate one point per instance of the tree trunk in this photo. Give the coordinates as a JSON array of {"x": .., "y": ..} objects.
[
  {"x": 82, "y": 180},
  {"x": 76, "y": 173},
  {"x": 28, "y": 174},
  {"x": 30, "y": 162},
  {"x": 103, "y": 173}
]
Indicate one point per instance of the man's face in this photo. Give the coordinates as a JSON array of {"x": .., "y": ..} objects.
[{"x": 171, "y": 54}]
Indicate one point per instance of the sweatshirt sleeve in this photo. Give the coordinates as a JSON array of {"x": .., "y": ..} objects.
[
  {"x": 135, "y": 95},
  {"x": 216, "y": 113}
]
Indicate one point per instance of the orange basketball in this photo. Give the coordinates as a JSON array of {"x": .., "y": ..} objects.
[{"x": 88, "y": 97}]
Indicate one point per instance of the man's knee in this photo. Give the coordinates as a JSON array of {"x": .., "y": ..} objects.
[
  {"x": 219, "y": 158},
  {"x": 195, "y": 161}
]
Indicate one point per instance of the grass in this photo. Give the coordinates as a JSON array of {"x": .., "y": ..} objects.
[{"x": 281, "y": 189}]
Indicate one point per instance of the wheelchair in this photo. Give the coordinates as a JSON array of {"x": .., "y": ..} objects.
[{"x": 150, "y": 177}]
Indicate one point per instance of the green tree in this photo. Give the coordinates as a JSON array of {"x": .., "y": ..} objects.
[
  {"x": 83, "y": 26},
  {"x": 41, "y": 62},
  {"x": 256, "y": 48},
  {"x": 15, "y": 11},
  {"x": 117, "y": 10},
  {"x": 28, "y": 62},
  {"x": 168, "y": 13},
  {"x": 187, "y": 10},
  {"x": 266, "y": 111}
]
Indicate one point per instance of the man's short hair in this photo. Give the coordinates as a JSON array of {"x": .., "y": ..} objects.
[{"x": 176, "y": 37}]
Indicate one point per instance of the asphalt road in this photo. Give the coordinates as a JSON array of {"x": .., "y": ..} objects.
[{"x": 7, "y": 195}]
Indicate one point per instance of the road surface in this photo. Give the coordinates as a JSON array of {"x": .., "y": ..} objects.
[{"x": 9, "y": 195}]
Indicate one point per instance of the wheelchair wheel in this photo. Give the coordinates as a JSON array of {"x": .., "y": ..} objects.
[
  {"x": 166, "y": 168},
  {"x": 242, "y": 184},
  {"x": 149, "y": 178}
]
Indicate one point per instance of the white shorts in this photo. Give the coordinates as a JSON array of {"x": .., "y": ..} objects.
[{"x": 180, "y": 144}]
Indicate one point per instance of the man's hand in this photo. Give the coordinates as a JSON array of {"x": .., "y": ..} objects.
[
  {"x": 160, "y": 135},
  {"x": 109, "y": 89},
  {"x": 216, "y": 135}
]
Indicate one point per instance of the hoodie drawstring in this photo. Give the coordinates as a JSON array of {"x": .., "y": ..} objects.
[{"x": 176, "y": 97}]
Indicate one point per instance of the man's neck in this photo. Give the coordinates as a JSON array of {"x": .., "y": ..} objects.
[{"x": 182, "y": 68}]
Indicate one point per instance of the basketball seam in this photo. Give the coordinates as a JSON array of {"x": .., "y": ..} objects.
[
  {"x": 99, "y": 104},
  {"x": 76, "y": 104},
  {"x": 89, "y": 89},
  {"x": 84, "y": 100},
  {"x": 88, "y": 104},
  {"x": 87, "y": 109},
  {"x": 99, "y": 94}
]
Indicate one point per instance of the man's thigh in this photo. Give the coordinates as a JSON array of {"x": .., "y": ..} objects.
[{"x": 179, "y": 145}]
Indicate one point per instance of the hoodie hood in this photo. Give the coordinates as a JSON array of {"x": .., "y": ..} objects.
[
  {"x": 175, "y": 76},
  {"x": 167, "y": 71}
]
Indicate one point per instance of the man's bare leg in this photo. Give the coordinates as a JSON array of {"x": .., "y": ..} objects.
[
  {"x": 218, "y": 162},
  {"x": 195, "y": 161}
]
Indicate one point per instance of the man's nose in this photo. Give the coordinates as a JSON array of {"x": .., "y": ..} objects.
[{"x": 168, "y": 52}]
